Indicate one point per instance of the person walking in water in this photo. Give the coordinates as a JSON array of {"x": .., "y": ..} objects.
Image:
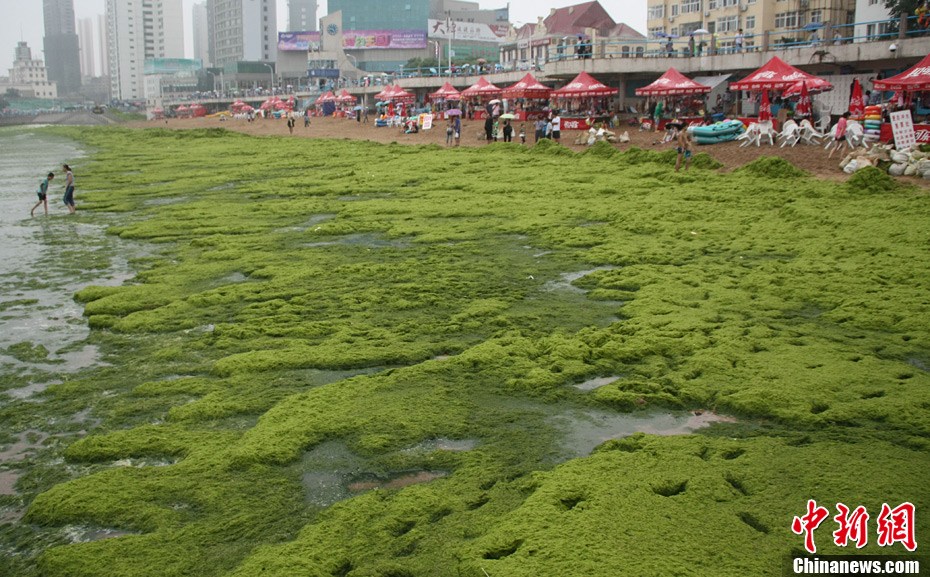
[
  {"x": 69, "y": 189},
  {"x": 43, "y": 194}
]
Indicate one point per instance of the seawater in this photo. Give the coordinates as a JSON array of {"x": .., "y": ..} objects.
[{"x": 44, "y": 259}]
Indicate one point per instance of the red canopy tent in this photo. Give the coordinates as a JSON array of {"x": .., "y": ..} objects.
[
  {"x": 528, "y": 87},
  {"x": 914, "y": 79},
  {"x": 482, "y": 89},
  {"x": 447, "y": 92},
  {"x": 326, "y": 97},
  {"x": 672, "y": 83},
  {"x": 776, "y": 74},
  {"x": 584, "y": 85},
  {"x": 395, "y": 93},
  {"x": 197, "y": 110},
  {"x": 182, "y": 111},
  {"x": 346, "y": 98}
]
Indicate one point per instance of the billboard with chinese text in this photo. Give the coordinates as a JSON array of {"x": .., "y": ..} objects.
[{"x": 383, "y": 39}]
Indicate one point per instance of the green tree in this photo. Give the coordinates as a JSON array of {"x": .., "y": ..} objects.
[{"x": 896, "y": 7}]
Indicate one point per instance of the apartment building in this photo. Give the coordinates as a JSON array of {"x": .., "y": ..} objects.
[
  {"x": 242, "y": 30},
  {"x": 140, "y": 30},
  {"x": 61, "y": 45},
  {"x": 783, "y": 19}
]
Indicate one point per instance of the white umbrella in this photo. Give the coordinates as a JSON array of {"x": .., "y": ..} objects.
[{"x": 701, "y": 31}]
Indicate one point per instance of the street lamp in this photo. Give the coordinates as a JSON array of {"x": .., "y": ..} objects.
[
  {"x": 271, "y": 70},
  {"x": 438, "y": 53}
]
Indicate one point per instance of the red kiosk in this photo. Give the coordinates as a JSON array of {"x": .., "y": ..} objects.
[
  {"x": 444, "y": 95},
  {"x": 531, "y": 96},
  {"x": 776, "y": 74},
  {"x": 910, "y": 82},
  {"x": 481, "y": 93},
  {"x": 583, "y": 97},
  {"x": 674, "y": 84}
]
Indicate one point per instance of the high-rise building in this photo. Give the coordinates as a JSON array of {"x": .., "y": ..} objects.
[
  {"x": 104, "y": 60},
  {"x": 88, "y": 47},
  {"x": 382, "y": 14},
  {"x": 301, "y": 15},
  {"x": 784, "y": 20},
  {"x": 243, "y": 30},
  {"x": 62, "y": 54},
  {"x": 140, "y": 30},
  {"x": 201, "y": 27}
]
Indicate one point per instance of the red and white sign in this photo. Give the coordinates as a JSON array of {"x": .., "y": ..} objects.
[
  {"x": 921, "y": 133},
  {"x": 902, "y": 126}
]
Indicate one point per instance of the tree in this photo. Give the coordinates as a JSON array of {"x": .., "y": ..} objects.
[
  {"x": 896, "y": 7},
  {"x": 12, "y": 93}
]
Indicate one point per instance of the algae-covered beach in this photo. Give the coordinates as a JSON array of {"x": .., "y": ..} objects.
[{"x": 349, "y": 359}]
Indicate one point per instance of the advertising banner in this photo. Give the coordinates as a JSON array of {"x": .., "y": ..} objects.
[
  {"x": 298, "y": 41},
  {"x": 465, "y": 31},
  {"x": 383, "y": 39}
]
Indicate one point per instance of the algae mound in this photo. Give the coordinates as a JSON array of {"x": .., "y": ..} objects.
[
  {"x": 871, "y": 180},
  {"x": 772, "y": 167}
]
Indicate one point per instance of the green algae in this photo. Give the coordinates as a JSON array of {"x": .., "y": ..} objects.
[
  {"x": 432, "y": 302},
  {"x": 772, "y": 167},
  {"x": 871, "y": 180}
]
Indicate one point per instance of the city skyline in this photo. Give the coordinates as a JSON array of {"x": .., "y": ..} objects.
[{"x": 24, "y": 20}]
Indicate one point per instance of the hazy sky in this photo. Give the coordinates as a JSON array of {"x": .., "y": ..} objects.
[{"x": 22, "y": 19}]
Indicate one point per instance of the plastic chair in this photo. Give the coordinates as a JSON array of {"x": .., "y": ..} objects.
[
  {"x": 809, "y": 134},
  {"x": 790, "y": 133}
]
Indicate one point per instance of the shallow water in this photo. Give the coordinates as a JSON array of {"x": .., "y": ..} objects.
[{"x": 38, "y": 270}]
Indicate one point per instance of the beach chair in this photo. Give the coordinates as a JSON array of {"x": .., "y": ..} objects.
[
  {"x": 809, "y": 134},
  {"x": 752, "y": 135},
  {"x": 790, "y": 133},
  {"x": 855, "y": 135},
  {"x": 767, "y": 130}
]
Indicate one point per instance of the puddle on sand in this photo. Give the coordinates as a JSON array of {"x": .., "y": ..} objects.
[
  {"x": 443, "y": 444},
  {"x": 164, "y": 201},
  {"x": 586, "y": 429},
  {"x": 363, "y": 239},
  {"x": 8, "y": 482},
  {"x": 592, "y": 384},
  {"x": 312, "y": 222},
  {"x": 395, "y": 482},
  {"x": 332, "y": 472},
  {"x": 567, "y": 278},
  {"x": 23, "y": 446},
  {"x": 81, "y": 534}
]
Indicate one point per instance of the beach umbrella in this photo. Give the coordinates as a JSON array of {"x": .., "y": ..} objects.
[
  {"x": 701, "y": 31},
  {"x": 495, "y": 101},
  {"x": 507, "y": 116},
  {"x": 813, "y": 26},
  {"x": 453, "y": 112},
  {"x": 804, "y": 102},
  {"x": 765, "y": 108},
  {"x": 856, "y": 105},
  {"x": 814, "y": 86}
]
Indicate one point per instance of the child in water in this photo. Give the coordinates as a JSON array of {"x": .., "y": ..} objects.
[{"x": 43, "y": 194}]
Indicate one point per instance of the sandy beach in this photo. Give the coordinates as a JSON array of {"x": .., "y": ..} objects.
[{"x": 811, "y": 159}]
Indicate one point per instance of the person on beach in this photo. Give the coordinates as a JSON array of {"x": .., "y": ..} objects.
[
  {"x": 684, "y": 147},
  {"x": 508, "y": 131},
  {"x": 540, "y": 129},
  {"x": 839, "y": 133},
  {"x": 456, "y": 129},
  {"x": 43, "y": 194},
  {"x": 488, "y": 128},
  {"x": 290, "y": 123},
  {"x": 556, "y": 127},
  {"x": 449, "y": 131},
  {"x": 69, "y": 189},
  {"x": 523, "y": 133}
]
